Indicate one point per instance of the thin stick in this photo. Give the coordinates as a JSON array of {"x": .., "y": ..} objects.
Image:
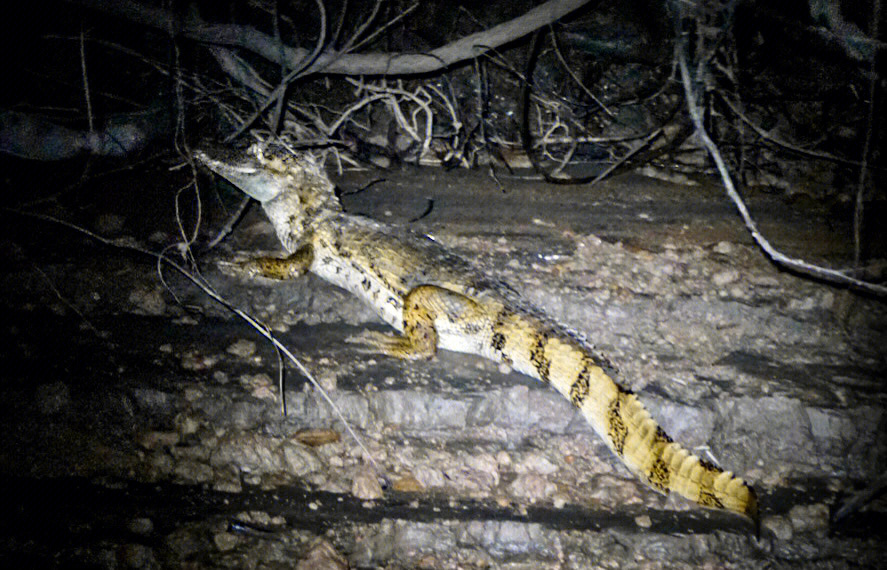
[
  {"x": 229, "y": 225},
  {"x": 799, "y": 265},
  {"x": 86, "y": 82},
  {"x": 292, "y": 76},
  {"x": 874, "y": 80},
  {"x": 201, "y": 283}
]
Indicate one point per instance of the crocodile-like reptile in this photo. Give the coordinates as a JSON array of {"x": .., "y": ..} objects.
[{"x": 435, "y": 299}]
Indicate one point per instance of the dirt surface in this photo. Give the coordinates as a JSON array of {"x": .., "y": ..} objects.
[{"x": 143, "y": 426}]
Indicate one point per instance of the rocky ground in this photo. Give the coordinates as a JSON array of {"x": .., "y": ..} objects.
[{"x": 143, "y": 426}]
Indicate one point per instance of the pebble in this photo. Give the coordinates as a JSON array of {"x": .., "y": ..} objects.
[
  {"x": 536, "y": 462},
  {"x": 148, "y": 301},
  {"x": 780, "y": 526},
  {"x": 317, "y": 437},
  {"x": 242, "y": 348},
  {"x": 723, "y": 247},
  {"x": 809, "y": 517},
  {"x": 365, "y": 485},
  {"x": 725, "y": 277},
  {"x": 322, "y": 555},
  {"x": 141, "y": 525},
  {"x": 226, "y": 541},
  {"x": 533, "y": 487},
  {"x": 429, "y": 476},
  {"x": 407, "y": 484}
]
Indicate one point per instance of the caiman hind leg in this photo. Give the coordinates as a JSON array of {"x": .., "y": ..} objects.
[
  {"x": 280, "y": 268},
  {"x": 429, "y": 312}
]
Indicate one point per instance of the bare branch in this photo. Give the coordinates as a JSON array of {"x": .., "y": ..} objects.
[
  {"x": 799, "y": 265},
  {"x": 337, "y": 63}
]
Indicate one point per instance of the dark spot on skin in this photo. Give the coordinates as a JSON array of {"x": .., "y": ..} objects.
[
  {"x": 662, "y": 436},
  {"x": 617, "y": 430},
  {"x": 538, "y": 358},
  {"x": 579, "y": 389},
  {"x": 659, "y": 475},
  {"x": 707, "y": 498},
  {"x": 498, "y": 341}
]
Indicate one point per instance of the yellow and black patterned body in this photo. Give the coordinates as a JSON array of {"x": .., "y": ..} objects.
[{"x": 435, "y": 300}]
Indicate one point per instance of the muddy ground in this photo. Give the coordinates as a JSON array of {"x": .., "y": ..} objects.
[{"x": 142, "y": 425}]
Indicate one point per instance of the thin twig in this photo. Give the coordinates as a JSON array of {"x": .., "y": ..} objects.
[
  {"x": 362, "y": 28},
  {"x": 292, "y": 76},
  {"x": 557, "y": 50},
  {"x": 86, "y": 96},
  {"x": 229, "y": 225},
  {"x": 799, "y": 265},
  {"x": 393, "y": 21},
  {"x": 874, "y": 80},
  {"x": 783, "y": 143},
  {"x": 201, "y": 283}
]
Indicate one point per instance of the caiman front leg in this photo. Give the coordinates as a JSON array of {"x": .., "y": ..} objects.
[
  {"x": 279, "y": 268},
  {"x": 429, "y": 311}
]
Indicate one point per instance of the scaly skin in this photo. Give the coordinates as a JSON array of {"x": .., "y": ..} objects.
[{"x": 435, "y": 300}]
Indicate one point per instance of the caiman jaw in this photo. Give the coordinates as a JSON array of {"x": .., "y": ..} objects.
[{"x": 242, "y": 170}]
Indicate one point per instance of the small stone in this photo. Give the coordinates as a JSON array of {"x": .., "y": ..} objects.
[
  {"x": 365, "y": 485},
  {"x": 227, "y": 480},
  {"x": 408, "y": 484},
  {"x": 195, "y": 361},
  {"x": 809, "y": 517},
  {"x": 317, "y": 437},
  {"x": 429, "y": 476},
  {"x": 643, "y": 521},
  {"x": 805, "y": 304},
  {"x": 242, "y": 348},
  {"x": 536, "y": 463},
  {"x": 193, "y": 472},
  {"x": 141, "y": 525},
  {"x": 328, "y": 381},
  {"x": 725, "y": 277},
  {"x": 503, "y": 459},
  {"x": 148, "y": 301},
  {"x": 187, "y": 424},
  {"x": 482, "y": 471},
  {"x": 723, "y": 247},
  {"x": 780, "y": 526},
  {"x": 765, "y": 281},
  {"x": 300, "y": 460},
  {"x": 261, "y": 387},
  {"x": 533, "y": 487},
  {"x": 226, "y": 541},
  {"x": 322, "y": 555}
]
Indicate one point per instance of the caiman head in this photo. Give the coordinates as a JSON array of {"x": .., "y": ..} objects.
[{"x": 292, "y": 188}]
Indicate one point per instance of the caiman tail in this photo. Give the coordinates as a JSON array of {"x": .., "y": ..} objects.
[{"x": 617, "y": 415}]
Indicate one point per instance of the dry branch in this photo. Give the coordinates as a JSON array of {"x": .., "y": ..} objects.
[
  {"x": 827, "y": 274},
  {"x": 337, "y": 63}
]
